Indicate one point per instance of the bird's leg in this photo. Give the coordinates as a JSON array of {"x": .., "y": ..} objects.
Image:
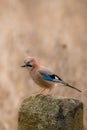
[
  {"x": 49, "y": 92},
  {"x": 41, "y": 92}
]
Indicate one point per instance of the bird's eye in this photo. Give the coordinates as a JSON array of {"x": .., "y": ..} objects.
[{"x": 28, "y": 64}]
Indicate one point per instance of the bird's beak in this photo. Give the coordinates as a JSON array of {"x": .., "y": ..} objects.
[{"x": 24, "y": 65}]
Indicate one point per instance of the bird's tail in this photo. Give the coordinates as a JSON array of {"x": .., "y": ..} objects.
[
  {"x": 57, "y": 79},
  {"x": 66, "y": 84}
]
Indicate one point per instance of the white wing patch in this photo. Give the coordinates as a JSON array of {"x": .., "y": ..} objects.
[{"x": 56, "y": 78}]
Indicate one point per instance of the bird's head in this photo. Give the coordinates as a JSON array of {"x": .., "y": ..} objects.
[{"x": 30, "y": 62}]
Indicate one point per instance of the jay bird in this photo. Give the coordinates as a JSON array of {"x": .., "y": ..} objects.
[{"x": 43, "y": 76}]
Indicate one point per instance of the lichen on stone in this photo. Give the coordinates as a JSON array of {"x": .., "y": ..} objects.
[{"x": 50, "y": 113}]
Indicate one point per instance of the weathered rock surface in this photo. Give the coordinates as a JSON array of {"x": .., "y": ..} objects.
[{"x": 50, "y": 113}]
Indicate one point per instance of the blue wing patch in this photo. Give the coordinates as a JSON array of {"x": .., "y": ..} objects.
[
  {"x": 47, "y": 77},
  {"x": 52, "y": 77}
]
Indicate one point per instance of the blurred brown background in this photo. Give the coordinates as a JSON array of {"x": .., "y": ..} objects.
[{"x": 55, "y": 32}]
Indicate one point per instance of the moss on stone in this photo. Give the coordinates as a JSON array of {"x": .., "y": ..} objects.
[{"x": 50, "y": 113}]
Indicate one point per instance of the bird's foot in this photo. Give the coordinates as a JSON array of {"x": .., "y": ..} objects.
[{"x": 40, "y": 94}]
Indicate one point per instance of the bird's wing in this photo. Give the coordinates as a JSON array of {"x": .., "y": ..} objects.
[{"x": 48, "y": 75}]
